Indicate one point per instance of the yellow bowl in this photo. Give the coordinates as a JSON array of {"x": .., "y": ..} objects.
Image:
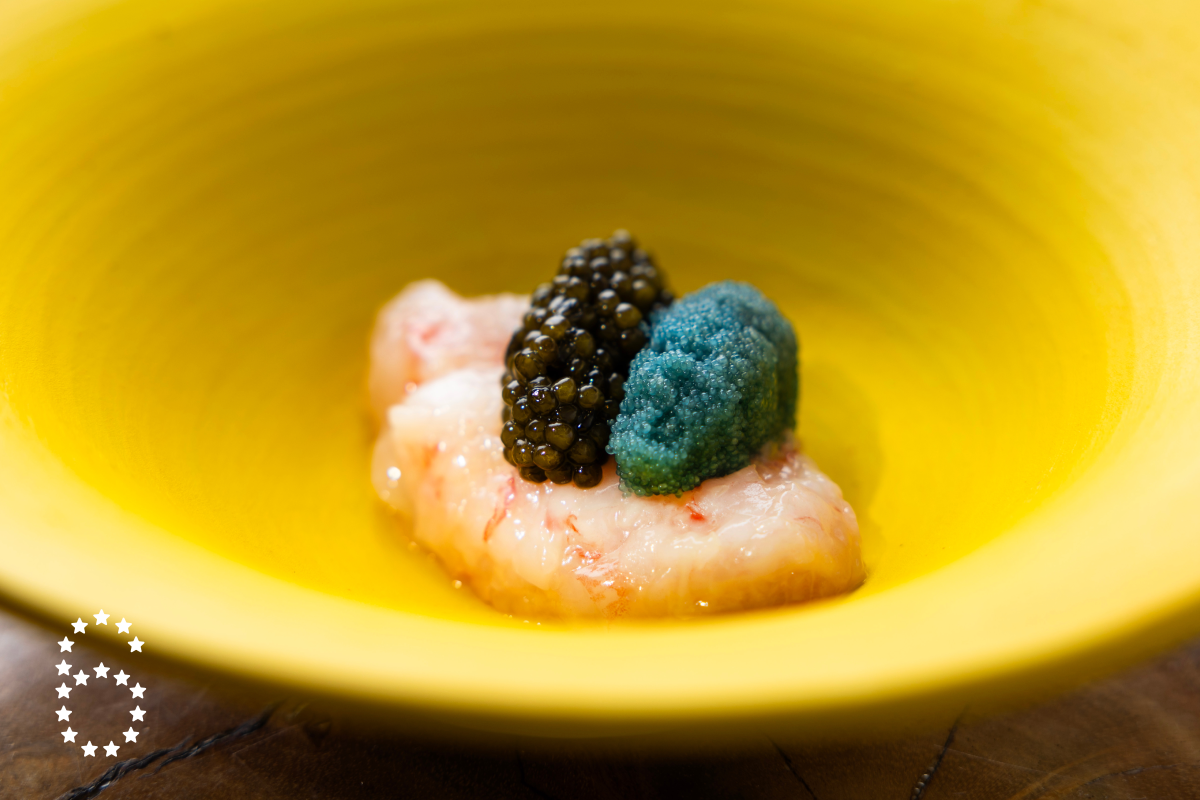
[{"x": 982, "y": 217}]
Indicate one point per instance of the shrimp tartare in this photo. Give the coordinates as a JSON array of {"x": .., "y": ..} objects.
[{"x": 772, "y": 532}]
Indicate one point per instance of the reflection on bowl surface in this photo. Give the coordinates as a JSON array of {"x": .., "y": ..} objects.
[{"x": 978, "y": 222}]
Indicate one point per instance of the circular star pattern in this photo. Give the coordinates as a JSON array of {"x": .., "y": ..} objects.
[{"x": 137, "y": 714}]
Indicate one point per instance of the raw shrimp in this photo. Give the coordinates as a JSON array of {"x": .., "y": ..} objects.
[
  {"x": 428, "y": 330},
  {"x": 775, "y": 532}
]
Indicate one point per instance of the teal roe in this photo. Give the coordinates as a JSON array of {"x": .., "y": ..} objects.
[{"x": 716, "y": 383}]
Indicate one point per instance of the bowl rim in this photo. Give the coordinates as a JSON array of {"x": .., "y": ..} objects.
[{"x": 790, "y": 664}]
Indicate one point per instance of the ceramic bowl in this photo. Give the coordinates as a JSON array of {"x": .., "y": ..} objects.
[{"x": 982, "y": 218}]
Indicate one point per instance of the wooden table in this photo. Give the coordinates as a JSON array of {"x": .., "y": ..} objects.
[{"x": 1136, "y": 735}]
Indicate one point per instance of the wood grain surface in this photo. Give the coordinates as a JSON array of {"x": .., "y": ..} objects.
[{"x": 1136, "y": 735}]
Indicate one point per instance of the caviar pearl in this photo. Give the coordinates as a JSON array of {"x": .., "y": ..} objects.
[
  {"x": 535, "y": 431},
  {"x": 533, "y": 474},
  {"x": 547, "y": 457},
  {"x": 522, "y": 453},
  {"x": 587, "y": 475},
  {"x": 565, "y": 391},
  {"x": 626, "y": 316},
  {"x": 590, "y": 397},
  {"x": 510, "y": 433},
  {"x": 559, "y": 435}
]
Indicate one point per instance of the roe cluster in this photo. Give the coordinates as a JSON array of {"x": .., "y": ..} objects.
[
  {"x": 567, "y": 364},
  {"x": 717, "y": 381}
]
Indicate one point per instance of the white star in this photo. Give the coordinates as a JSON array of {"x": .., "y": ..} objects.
[
  {"x": 81, "y": 677},
  {"x": 69, "y": 735},
  {"x": 63, "y": 714},
  {"x": 111, "y": 749},
  {"x": 64, "y": 668},
  {"x": 123, "y": 626},
  {"x": 63, "y": 691},
  {"x": 101, "y": 618},
  {"x": 89, "y": 749},
  {"x": 136, "y": 644},
  {"x": 65, "y": 644},
  {"x": 101, "y": 671},
  {"x": 122, "y": 678},
  {"x": 131, "y": 734},
  {"x": 138, "y": 691},
  {"x": 79, "y": 625},
  {"x": 138, "y": 715}
]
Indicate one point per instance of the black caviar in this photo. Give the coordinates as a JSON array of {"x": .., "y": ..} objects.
[{"x": 567, "y": 363}]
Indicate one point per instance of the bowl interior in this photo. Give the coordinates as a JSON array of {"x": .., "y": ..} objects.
[{"x": 205, "y": 204}]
